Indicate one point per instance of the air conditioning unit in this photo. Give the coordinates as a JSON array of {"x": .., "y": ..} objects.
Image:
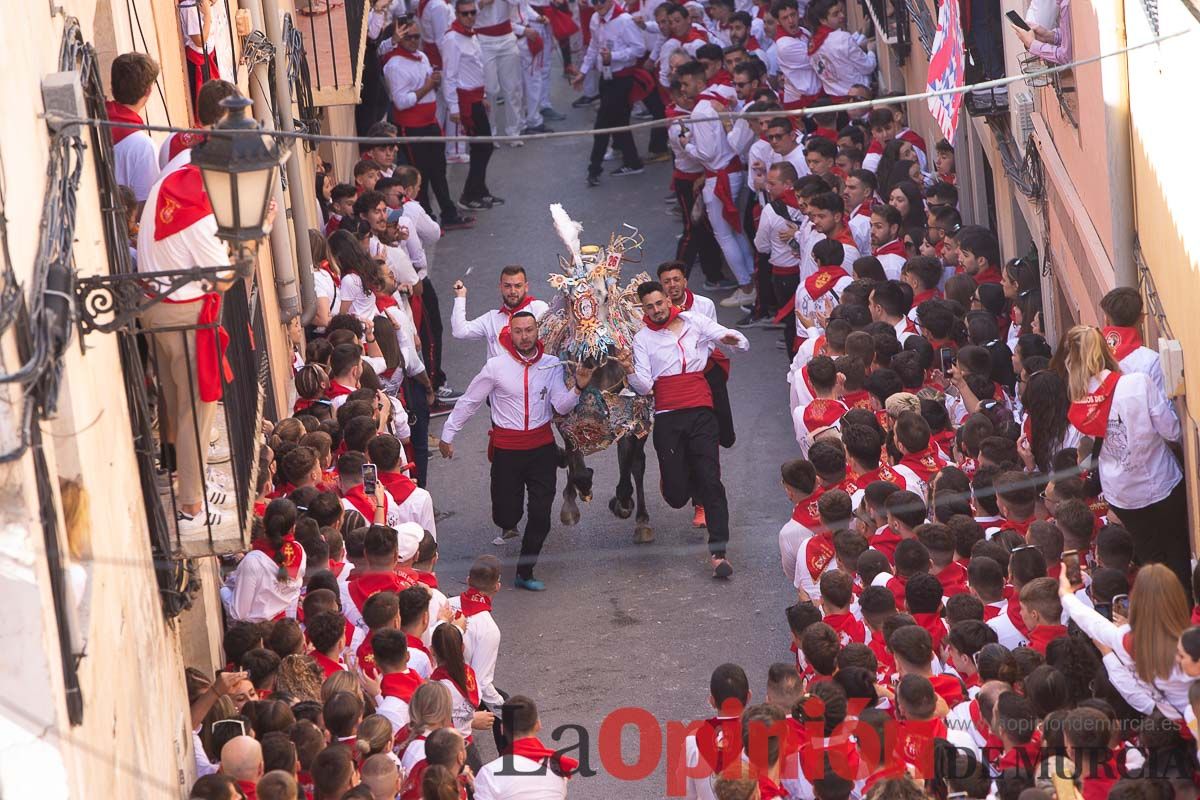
[{"x": 1022, "y": 120}]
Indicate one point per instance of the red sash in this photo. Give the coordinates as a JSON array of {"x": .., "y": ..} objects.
[
  {"x": 499, "y": 29},
  {"x": 724, "y": 191},
  {"x": 818, "y": 553},
  {"x": 1090, "y": 413},
  {"x": 925, "y": 464},
  {"x": 400, "y": 685},
  {"x": 418, "y": 115},
  {"x": 400, "y": 487},
  {"x": 822, "y": 413},
  {"x": 292, "y": 553},
  {"x": 212, "y": 367},
  {"x": 531, "y": 748},
  {"x": 562, "y": 23},
  {"x": 118, "y": 112},
  {"x": 682, "y": 391},
  {"x": 513, "y": 439},
  {"x": 470, "y": 691},
  {"x": 473, "y": 602},
  {"x": 200, "y": 60}
]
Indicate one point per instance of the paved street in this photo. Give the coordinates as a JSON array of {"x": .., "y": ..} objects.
[{"x": 620, "y": 624}]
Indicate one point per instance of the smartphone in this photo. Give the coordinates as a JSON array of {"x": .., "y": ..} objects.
[
  {"x": 370, "y": 476},
  {"x": 1015, "y": 19},
  {"x": 1120, "y": 606},
  {"x": 1105, "y": 610},
  {"x": 1070, "y": 562},
  {"x": 948, "y": 358}
]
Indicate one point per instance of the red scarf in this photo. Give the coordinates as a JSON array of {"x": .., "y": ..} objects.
[
  {"x": 925, "y": 464},
  {"x": 119, "y": 112},
  {"x": 362, "y": 585},
  {"x": 415, "y": 643},
  {"x": 949, "y": 688},
  {"x": 366, "y": 656},
  {"x": 328, "y": 665},
  {"x": 1025, "y": 756},
  {"x": 249, "y": 788},
  {"x": 656, "y": 326},
  {"x": 470, "y": 691},
  {"x": 823, "y": 280},
  {"x": 335, "y": 389},
  {"x": 885, "y": 661},
  {"x": 818, "y": 553},
  {"x": 719, "y": 740},
  {"x": 893, "y": 248},
  {"x": 1041, "y": 636},
  {"x": 1014, "y": 616},
  {"x": 928, "y": 294},
  {"x": 989, "y": 275},
  {"x": 805, "y": 511},
  {"x": 863, "y": 210},
  {"x": 897, "y": 585},
  {"x": 1090, "y": 413},
  {"x": 751, "y": 44},
  {"x": 953, "y": 578},
  {"x": 183, "y": 141},
  {"x": 427, "y": 578},
  {"x": 181, "y": 202},
  {"x": 885, "y": 541},
  {"x": 400, "y": 685},
  {"x": 689, "y": 300},
  {"x": 881, "y": 473},
  {"x": 1122, "y": 341},
  {"x": 789, "y": 199},
  {"x": 693, "y": 35},
  {"x": 1020, "y": 526},
  {"x": 822, "y": 413},
  {"x": 521, "y": 306},
  {"x": 857, "y": 399},
  {"x": 400, "y": 487},
  {"x": 818, "y": 38},
  {"x": 846, "y": 627},
  {"x": 531, "y": 747},
  {"x": 458, "y": 27},
  {"x": 505, "y": 339},
  {"x": 474, "y": 601},
  {"x": 914, "y": 744},
  {"x": 363, "y": 504},
  {"x": 292, "y": 553},
  {"x": 937, "y": 629},
  {"x": 769, "y": 789},
  {"x": 944, "y": 441},
  {"x": 212, "y": 367}
]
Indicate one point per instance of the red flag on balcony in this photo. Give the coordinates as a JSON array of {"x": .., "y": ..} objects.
[{"x": 946, "y": 69}]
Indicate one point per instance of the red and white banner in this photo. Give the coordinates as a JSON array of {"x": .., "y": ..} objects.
[{"x": 946, "y": 69}]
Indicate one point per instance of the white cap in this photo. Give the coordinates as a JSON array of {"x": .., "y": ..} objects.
[{"x": 408, "y": 539}]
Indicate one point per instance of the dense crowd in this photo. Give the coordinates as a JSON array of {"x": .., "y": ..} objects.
[{"x": 989, "y": 545}]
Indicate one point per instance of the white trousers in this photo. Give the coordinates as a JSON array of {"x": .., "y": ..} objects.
[
  {"x": 734, "y": 245},
  {"x": 535, "y": 75},
  {"x": 502, "y": 73}
]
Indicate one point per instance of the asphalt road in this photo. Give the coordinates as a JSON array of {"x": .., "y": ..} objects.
[{"x": 620, "y": 625}]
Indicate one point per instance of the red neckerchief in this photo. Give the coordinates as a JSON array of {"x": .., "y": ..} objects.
[
  {"x": 953, "y": 578},
  {"x": 693, "y": 35},
  {"x": 415, "y": 55},
  {"x": 1090, "y": 413},
  {"x": 751, "y": 44},
  {"x": 657, "y": 326},
  {"x": 521, "y": 306},
  {"x": 859, "y": 398},
  {"x": 363, "y": 504},
  {"x": 532, "y": 748},
  {"x": 1014, "y": 616},
  {"x": 936, "y": 627},
  {"x": 400, "y": 487},
  {"x": 400, "y": 685},
  {"x": 863, "y": 210},
  {"x": 915, "y": 742},
  {"x": 363, "y": 585},
  {"x": 925, "y": 464},
  {"x": 1122, "y": 341},
  {"x": 897, "y": 585},
  {"x": 1024, "y": 756},
  {"x": 887, "y": 772},
  {"x": 972, "y": 681},
  {"x": 119, "y": 112},
  {"x": 885, "y": 661},
  {"x": 1021, "y": 526},
  {"x": 944, "y": 441},
  {"x": 292, "y": 553},
  {"x": 1041, "y": 636},
  {"x": 366, "y": 656},
  {"x": 505, "y": 339},
  {"x": 249, "y": 788},
  {"x": 473, "y": 601},
  {"x": 325, "y": 266},
  {"x": 769, "y": 789},
  {"x": 1196, "y": 615},
  {"x": 818, "y": 552},
  {"x": 719, "y": 740},
  {"x": 470, "y": 691},
  {"x": 181, "y": 202},
  {"x": 928, "y": 294},
  {"x": 335, "y": 389},
  {"x": 821, "y": 413},
  {"x": 989, "y": 275},
  {"x": 789, "y": 199},
  {"x": 893, "y": 248},
  {"x": 799, "y": 34},
  {"x": 716, "y": 99},
  {"x": 183, "y": 141},
  {"x": 885, "y": 541},
  {"x": 427, "y": 578},
  {"x": 415, "y": 643},
  {"x": 846, "y": 627},
  {"x": 458, "y": 27},
  {"x": 948, "y": 687},
  {"x": 823, "y": 280},
  {"x": 991, "y": 742},
  {"x": 818, "y": 38},
  {"x": 689, "y": 300},
  {"x": 721, "y": 78},
  {"x": 805, "y": 511},
  {"x": 843, "y": 235},
  {"x": 328, "y": 665}
]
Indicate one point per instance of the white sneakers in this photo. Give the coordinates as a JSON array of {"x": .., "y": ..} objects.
[{"x": 739, "y": 298}]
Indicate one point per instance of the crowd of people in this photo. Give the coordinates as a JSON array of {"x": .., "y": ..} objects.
[{"x": 989, "y": 545}]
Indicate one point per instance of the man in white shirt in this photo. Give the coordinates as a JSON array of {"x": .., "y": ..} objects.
[
  {"x": 135, "y": 159},
  {"x": 514, "y": 297},
  {"x": 532, "y": 771},
  {"x": 525, "y": 388},
  {"x": 859, "y": 194},
  {"x": 463, "y": 88},
  {"x": 706, "y": 141},
  {"x": 669, "y": 357},
  {"x": 481, "y": 639},
  {"x": 534, "y": 45},
  {"x": 887, "y": 304},
  {"x": 1122, "y": 309},
  {"x": 397, "y": 680},
  {"x": 886, "y": 244},
  {"x": 199, "y": 44},
  {"x": 615, "y": 50},
  {"x": 679, "y": 35},
  {"x": 498, "y": 36},
  {"x": 696, "y": 243},
  {"x": 801, "y": 86}
]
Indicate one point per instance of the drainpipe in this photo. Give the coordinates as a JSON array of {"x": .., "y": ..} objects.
[{"x": 1114, "y": 83}]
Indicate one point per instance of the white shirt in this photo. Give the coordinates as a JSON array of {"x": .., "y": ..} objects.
[
  {"x": 1146, "y": 361},
  {"x": 404, "y": 76},
  {"x": 892, "y": 263},
  {"x": 461, "y": 710},
  {"x": 481, "y": 643},
  {"x": 621, "y": 35},
  {"x": 486, "y": 326},
  {"x": 323, "y": 286},
  {"x": 434, "y": 21},
  {"x": 393, "y": 508},
  {"x": 255, "y": 592},
  {"x": 659, "y": 353},
  {"x": 683, "y": 161},
  {"x": 795, "y": 158},
  {"x": 195, "y": 246},
  {"x": 707, "y": 141},
  {"x": 523, "y": 397},
  {"x": 1006, "y": 632},
  {"x": 805, "y": 580},
  {"x": 395, "y": 711},
  {"x": 498, "y": 780},
  {"x": 809, "y": 307},
  {"x": 792, "y": 537},
  {"x": 1137, "y": 468},
  {"x": 767, "y": 240},
  {"x": 463, "y": 66},
  {"x": 425, "y": 226},
  {"x": 362, "y": 301},
  {"x": 799, "y": 77},
  {"x": 840, "y": 62},
  {"x": 418, "y": 508},
  {"x": 703, "y": 306},
  {"x": 760, "y": 158}
]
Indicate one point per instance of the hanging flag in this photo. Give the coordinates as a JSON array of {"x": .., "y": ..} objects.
[{"x": 946, "y": 69}]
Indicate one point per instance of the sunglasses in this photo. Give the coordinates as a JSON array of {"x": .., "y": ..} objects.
[
  {"x": 776, "y": 137},
  {"x": 467, "y": 13}
]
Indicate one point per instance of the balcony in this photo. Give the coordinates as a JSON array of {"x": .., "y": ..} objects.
[{"x": 334, "y": 45}]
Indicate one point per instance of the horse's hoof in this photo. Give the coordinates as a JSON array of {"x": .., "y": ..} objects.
[
  {"x": 620, "y": 509},
  {"x": 585, "y": 497},
  {"x": 569, "y": 514},
  {"x": 643, "y": 534}
]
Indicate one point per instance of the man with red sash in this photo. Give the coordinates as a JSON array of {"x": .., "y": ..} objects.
[
  {"x": 615, "y": 51},
  {"x": 199, "y": 50},
  {"x": 134, "y": 159},
  {"x": 413, "y": 84},
  {"x": 669, "y": 357},
  {"x": 514, "y": 297},
  {"x": 706, "y": 141},
  {"x": 526, "y": 388},
  {"x": 529, "y": 769},
  {"x": 178, "y": 231},
  {"x": 463, "y": 88},
  {"x": 397, "y": 682},
  {"x": 921, "y": 460},
  {"x": 497, "y": 36},
  {"x": 801, "y": 86}
]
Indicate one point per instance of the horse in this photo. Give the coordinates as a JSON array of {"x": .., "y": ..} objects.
[{"x": 592, "y": 321}]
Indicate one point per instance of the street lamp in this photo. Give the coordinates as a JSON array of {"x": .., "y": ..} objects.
[{"x": 239, "y": 171}]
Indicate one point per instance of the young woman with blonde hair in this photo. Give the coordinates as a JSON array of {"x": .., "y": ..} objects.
[
  {"x": 1132, "y": 423},
  {"x": 430, "y": 708}
]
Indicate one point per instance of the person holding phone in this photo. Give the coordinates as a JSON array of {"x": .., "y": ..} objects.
[{"x": 1052, "y": 46}]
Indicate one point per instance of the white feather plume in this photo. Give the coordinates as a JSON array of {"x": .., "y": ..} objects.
[{"x": 568, "y": 230}]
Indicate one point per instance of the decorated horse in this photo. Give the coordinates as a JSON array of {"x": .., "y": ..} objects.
[{"x": 592, "y": 320}]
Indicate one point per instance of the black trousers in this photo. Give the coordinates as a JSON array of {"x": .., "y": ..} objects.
[
  {"x": 718, "y": 384},
  {"x": 431, "y": 333},
  {"x": 1161, "y": 535},
  {"x": 698, "y": 241},
  {"x": 689, "y": 463},
  {"x": 476, "y": 187},
  {"x": 785, "y": 289},
  {"x": 515, "y": 473},
  {"x": 614, "y": 112},
  {"x": 658, "y": 136},
  {"x": 418, "y": 405},
  {"x": 430, "y": 159}
]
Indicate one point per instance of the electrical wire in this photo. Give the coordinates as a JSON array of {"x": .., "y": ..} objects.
[
  {"x": 136, "y": 18},
  {"x": 638, "y": 126}
]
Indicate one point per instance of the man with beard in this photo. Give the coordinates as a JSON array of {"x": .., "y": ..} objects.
[{"x": 514, "y": 296}]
